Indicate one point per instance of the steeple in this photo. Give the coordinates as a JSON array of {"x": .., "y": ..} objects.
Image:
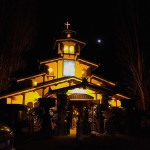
[
  {"x": 68, "y": 45},
  {"x": 68, "y": 33}
]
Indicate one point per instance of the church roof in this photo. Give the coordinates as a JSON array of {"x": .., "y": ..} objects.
[
  {"x": 50, "y": 60},
  {"x": 39, "y": 86},
  {"x": 87, "y": 62},
  {"x": 70, "y": 39}
]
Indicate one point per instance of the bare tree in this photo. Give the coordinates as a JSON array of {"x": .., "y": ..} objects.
[
  {"x": 132, "y": 58},
  {"x": 17, "y": 31}
]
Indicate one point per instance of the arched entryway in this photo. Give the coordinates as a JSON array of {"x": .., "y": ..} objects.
[{"x": 78, "y": 103}]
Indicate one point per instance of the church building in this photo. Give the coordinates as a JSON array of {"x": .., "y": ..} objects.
[{"x": 67, "y": 73}]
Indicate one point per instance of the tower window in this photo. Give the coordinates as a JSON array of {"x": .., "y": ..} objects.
[
  {"x": 71, "y": 49},
  {"x": 69, "y": 68},
  {"x": 66, "y": 50}
]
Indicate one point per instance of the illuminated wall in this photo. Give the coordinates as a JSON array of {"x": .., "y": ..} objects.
[
  {"x": 15, "y": 100},
  {"x": 96, "y": 82},
  {"x": 115, "y": 103},
  {"x": 29, "y": 97},
  {"x": 39, "y": 79},
  {"x": 79, "y": 68}
]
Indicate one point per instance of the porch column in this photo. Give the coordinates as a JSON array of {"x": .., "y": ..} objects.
[
  {"x": 43, "y": 78},
  {"x": 23, "y": 95},
  {"x": 57, "y": 69},
  {"x": 43, "y": 92},
  {"x": 105, "y": 98}
]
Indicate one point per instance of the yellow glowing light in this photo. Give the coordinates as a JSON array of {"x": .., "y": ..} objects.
[
  {"x": 83, "y": 72},
  {"x": 65, "y": 49},
  {"x": 50, "y": 70},
  {"x": 35, "y": 83},
  {"x": 77, "y": 90},
  {"x": 115, "y": 103},
  {"x": 71, "y": 49},
  {"x": 68, "y": 35}
]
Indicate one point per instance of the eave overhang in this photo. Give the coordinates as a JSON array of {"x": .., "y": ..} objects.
[
  {"x": 87, "y": 62},
  {"x": 31, "y": 77},
  {"x": 41, "y": 85},
  {"x": 70, "y": 40},
  {"x": 102, "y": 79},
  {"x": 50, "y": 60}
]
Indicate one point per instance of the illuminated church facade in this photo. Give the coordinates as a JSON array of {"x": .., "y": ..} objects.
[{"x": 67, "y": 73}]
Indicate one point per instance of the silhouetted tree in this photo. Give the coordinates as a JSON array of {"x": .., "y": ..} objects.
[
  {"x": 132, "y": 57},
  {"x": 17, "y": 34}
]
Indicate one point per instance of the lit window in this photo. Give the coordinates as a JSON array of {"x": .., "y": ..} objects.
[
  {"x": 66, "y": 49},
  {"x": 114, "y": 103},
  {"x": 51, "y": 71},
  {"x": 69, "y": 68},
  {"x": 71, "y": 49}
]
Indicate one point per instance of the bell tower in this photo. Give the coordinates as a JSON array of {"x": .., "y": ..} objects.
[{"x": 68, "y": 46}]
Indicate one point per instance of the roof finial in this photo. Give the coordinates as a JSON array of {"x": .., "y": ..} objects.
[{"x": 67, "y": 24}]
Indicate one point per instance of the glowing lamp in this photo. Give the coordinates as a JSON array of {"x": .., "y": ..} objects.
[
  {"x": 50, "y": 70},
  {"x": 68, "y": 35},
  {"x": 83, "y": 72},
  {"x": 34, "y": 83}
]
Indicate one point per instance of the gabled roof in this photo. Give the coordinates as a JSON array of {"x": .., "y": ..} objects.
[
  {"x": 87, "y": 62},
  {"x": 83, "y": 85},
  {"x": 31, "y": 76},
  {"x": 103, "y": 80},
  {"x": 70, "y": 39},
  {"x": 50, "y": 60},
  {"x": 40, "y": 85}
]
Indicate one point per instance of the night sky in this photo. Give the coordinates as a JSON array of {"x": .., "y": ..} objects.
[
  {"x": 97, "y": 20},
  {"x": 92, "y": 20}
]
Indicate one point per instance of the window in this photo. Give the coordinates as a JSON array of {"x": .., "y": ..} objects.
[
  {"x": 68, "y": 49},
  {"x": 69, "y": 68},
  {"x": 71, "y": 49}
]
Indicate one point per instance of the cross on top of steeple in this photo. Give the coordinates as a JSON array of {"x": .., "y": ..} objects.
[{"x": 67, "y": 24}]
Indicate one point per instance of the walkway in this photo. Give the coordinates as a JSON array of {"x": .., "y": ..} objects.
[{"x": 102, "y": 142}]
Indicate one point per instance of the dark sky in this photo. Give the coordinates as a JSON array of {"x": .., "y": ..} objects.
[{"x": 92, "y": 20}]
